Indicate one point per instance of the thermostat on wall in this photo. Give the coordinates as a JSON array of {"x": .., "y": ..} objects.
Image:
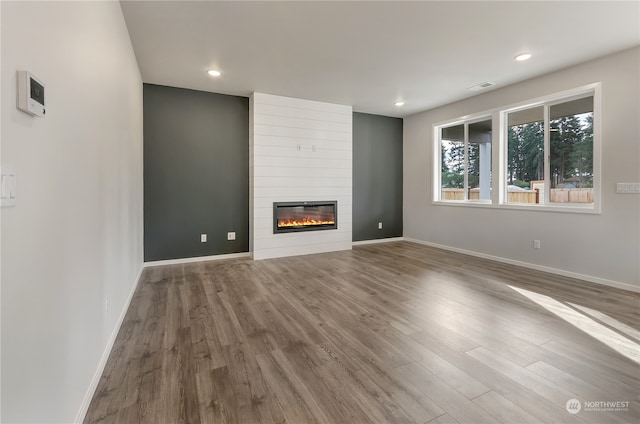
[{"x": 30, "y": 94}]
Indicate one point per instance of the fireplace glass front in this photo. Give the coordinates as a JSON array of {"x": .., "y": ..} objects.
[{"x": 304, "y": 216}]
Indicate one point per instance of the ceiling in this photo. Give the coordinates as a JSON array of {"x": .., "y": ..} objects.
[{"x": 370, "y": 54}]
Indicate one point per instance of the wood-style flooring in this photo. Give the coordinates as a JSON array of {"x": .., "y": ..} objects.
[{"x": 385, "y": 333}]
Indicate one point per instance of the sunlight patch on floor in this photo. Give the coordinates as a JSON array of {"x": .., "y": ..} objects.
[
  {"x": 617, "y": 342},
  {"x": 612, "y": 322}
]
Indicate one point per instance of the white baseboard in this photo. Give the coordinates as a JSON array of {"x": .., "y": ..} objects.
[
  {"x": 383, "y": 240},
  {"x": 84, "y": 407},
  {"x": 197, "y": 259},
  {"x": 564, "y": 273}
]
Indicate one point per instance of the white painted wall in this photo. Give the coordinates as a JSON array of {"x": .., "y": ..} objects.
[
  {"x": 321, "y": 169},
  {"x": 603, "y": 248},
  {"x": 74, "y": 239},
  {"x": 1, "y": 97}
]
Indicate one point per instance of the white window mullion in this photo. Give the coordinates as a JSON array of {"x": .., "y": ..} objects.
[
  {"x": 437, "y": 172},
  {"x": 547, "y": 155},
  {"x": 466, "y": 161},
  {"x": 499, "y": 182}
]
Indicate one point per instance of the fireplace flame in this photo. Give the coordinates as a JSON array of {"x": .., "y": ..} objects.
[{"x": 302, "y": 222}]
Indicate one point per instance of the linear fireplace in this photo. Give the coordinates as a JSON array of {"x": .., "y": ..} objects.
[{"x": 291, "y": 217}]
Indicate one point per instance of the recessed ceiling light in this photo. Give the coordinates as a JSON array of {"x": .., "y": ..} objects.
[
  {"x": 523, "y": 57},
  {"x": 214, "y": 73},
  {"x": 399, "y": 103}
]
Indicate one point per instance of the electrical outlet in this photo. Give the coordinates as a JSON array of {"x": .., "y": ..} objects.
[
  {"x": 536, "y": 244},
  {"x": 380, "y": 225},
  {"x": 203, "y": 238},
  {"x": 231, "y": 235}
]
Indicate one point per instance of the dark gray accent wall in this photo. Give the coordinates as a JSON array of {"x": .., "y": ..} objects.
[
  {"x": 377, "y": 176},
  {"x": 196, "y": 173}
]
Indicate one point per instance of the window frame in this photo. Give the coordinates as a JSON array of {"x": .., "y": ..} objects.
[
  {"x": 499, "y": 151},
  {"x": 466, "y": 121}
]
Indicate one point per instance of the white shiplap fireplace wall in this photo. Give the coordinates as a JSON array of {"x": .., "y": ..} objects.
[{"x": 299, "y": 150}]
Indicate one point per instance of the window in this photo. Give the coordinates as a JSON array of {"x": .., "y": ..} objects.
[
  {"x": 565, "y": 141},
  {"x": 525, "y": 155},
  {"x": 571, "y": 151},
  {"x": 546, "y": 155},
  {"x": 465, "y": 161}
]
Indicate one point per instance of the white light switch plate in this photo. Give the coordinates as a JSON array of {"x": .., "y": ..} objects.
[
  {"x": 627, "y": 188},
  {"x": 8, "y": 186},
  {"x": 231, "y": 235}
]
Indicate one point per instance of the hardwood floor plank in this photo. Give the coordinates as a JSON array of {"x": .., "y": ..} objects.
[
  {"x": 516, "y": 350},
  {"x": 547, "y": 389},
  {"x": 225, "y": 400},
  {"x": 306, "y": 362},
  {"x": 607, "y": 381},
  {"x": 505, "y": 411},
  {"x": 453, "y": 402},
  {"x": 586, "y": 391},
  {"x": 452, "y": 375},
  {"x": 440, "y": 334},
  {"x": 206, "y": 346},
  {"x": 353, "y": 390},
  {"x": 611, "y": 363},
  {"x": 528, "y": 400},
  {"x": 301, "y": 324},
  {"x": 297, "y": 403},
  {"x": 224, "y": 325},
  {"x": 246, "y": 373},
  {"x": 444, "y": 419},
  {"x": 418, "y": 407}
]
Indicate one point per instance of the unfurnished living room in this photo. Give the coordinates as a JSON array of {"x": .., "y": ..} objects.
[{"x": 320, "y": 212}]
